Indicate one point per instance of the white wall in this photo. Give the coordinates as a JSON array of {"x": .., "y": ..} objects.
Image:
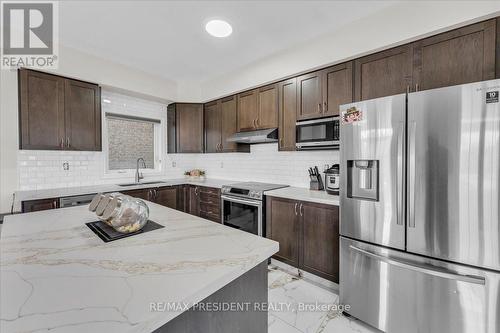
[
  {"x": 74, "y": 64},
  {"x": 398, "y": 24},
  {"x": 264, "y": 163}
]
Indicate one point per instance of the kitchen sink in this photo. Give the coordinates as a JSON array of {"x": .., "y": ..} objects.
[{"x": 142, "y": 183}]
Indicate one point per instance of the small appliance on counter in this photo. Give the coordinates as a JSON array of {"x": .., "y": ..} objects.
[
  {"x": 332, "y": 179},
  {"x": 316, "y": 182}
]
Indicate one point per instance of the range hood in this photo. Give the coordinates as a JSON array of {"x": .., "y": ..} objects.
[{"x": 260, "y": 136}]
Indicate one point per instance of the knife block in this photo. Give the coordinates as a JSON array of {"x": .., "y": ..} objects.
[{"x": 316, "y": 183}]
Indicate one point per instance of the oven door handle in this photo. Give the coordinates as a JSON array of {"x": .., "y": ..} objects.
[{"x": 242, "y": 201}]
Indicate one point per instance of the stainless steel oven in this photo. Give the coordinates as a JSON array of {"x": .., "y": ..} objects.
[
  {"x": 321, "y": 133},
  {"x": 243, "y": 206},
  {"x": 243, "y": 214}
]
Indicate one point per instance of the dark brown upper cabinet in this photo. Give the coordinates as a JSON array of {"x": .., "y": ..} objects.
[
  {"x": 309, "y": 96},
  {"x": 258, "y": 108},
  {"x": 267, "y": 107},
  {"x": 83, "y": 115},
  {"x": 287, "y": 92},
  {"x": 247, "y": 110},
  {"x": 220, "y": 124},
  {"x": 187, "y": 130},
  {"x": 58, "y": 113},
  {"x": 320, "y": 93},
  {"x": 212, "y": 127},
  {"x": 383, "y": 74},
  {"x": 229, "y": 126},
  {"x": 337, "y": 88},
  {"x": 456, "y": 57}
]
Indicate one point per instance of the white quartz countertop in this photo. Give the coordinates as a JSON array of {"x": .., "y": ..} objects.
[
  {"x": 57, "y": 274},
  {"x": 71, "y": 191},
  {"x": 305, "y": 194}
]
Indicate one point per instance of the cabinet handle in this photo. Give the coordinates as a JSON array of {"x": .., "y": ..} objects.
[
  {"x": 196, "y": 190},
  {"x": 325, "y": 107},
  {"x": 257, "y": 122},
  {"x": 408, "y": 89},
  {"x": 67, "y": 142},
  {"x": 319, "y": 107},
  {"x": 295, "y": 208},
  {"x": 62, "y": 143},
  {"x": 301, "y": 211},
  {"x": 54, "y": 204},
  {"x": 416, "y": 87}
]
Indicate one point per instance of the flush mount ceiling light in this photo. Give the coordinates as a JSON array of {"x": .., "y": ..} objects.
[{"x": 218, "y": 28}]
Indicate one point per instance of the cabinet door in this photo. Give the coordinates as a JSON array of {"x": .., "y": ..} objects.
[
  {"x": 166, "y": 196},
  {"x": 287, "y": 114},
  {"x": 82, "y": 104},
  {"x": 145, "y": 194},
  {"x": 194, "y": 201},
  {"x": 383, "y": 74},
  {"x": 268, "y": 107},
  {"x": 212, "y": 127},
  {"x": 171, "y": 129},
  {"x": 282, "y": 225},
  {"x": 41, "y": 110},
  {"x": 189, "y": 128},
  {"x": 459, "y": 56},
  {"x": 337, "y": 88},
  {"x": 247, "y": 110},
  {"x": 230, "y": 126},
  {"x": 309, "y": 96},
  {"x": 38, "y": 205},
  {"x": 320, "y": 240}
]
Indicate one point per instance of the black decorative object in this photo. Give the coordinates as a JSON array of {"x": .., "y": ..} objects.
[{"x": 109, "y": 234}]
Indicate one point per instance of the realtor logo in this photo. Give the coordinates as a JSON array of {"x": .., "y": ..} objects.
[{"x": 29, "y": 34}]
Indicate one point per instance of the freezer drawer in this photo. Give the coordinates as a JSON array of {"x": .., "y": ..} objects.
[
  {"x": 372, "y": 184},
  {"x": 399, "y": 292},
  {"x": 454, "y": 174}
]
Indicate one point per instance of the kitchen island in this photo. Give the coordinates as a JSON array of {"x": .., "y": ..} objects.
[{"x": 56, "y": 274}]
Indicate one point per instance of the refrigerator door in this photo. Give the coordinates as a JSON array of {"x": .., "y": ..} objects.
[
  {"x": 399, "y": 292},
  {"x": 454, "y": 174},
  {"x": 372, "y": 181}
]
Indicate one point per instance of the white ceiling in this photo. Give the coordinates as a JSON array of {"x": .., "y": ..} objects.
[{"x": 167, "y": 38}]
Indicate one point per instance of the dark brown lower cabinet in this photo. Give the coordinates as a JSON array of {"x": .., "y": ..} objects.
[
  {"x": 282, "y": 225},
  {"x": 320, "y": 240},
  {"x": 37, "y": 205},
  {"x": 308, "y": 234},
  {"x": 166, "y": 196},
  {"x": 204, "y": 202}
]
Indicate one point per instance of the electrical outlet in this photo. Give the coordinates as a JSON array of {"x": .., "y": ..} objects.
[
  {"x": 174, "y": 164},
  {"x": 66, "y": 166},
  {"x": 221, "y": 165}
]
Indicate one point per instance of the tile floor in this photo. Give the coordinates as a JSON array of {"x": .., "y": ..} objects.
[{"x": 287, "y": 293}]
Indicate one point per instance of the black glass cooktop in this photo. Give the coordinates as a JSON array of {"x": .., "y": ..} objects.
[{"x": 108, "y": 234}]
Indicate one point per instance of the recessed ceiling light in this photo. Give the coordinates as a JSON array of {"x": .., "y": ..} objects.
[{"x": 218, "y": 28}]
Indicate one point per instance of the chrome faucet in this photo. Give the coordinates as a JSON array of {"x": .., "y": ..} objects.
[{"x": 138, "y": 175}]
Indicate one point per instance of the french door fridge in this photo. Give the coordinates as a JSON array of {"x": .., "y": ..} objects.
[{"x": 420, "y": 197}]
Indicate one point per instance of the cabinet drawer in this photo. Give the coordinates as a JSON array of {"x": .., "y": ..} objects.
[
  {"x": 209, "y": 198},
  {"x": 209, "y": 190},
  {"x": 210, "y": 215}
]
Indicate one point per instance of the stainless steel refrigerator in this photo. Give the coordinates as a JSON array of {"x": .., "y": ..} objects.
[{"x": 419, "y": 207}]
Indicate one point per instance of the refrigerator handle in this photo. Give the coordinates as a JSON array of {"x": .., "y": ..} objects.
[
  {"x": 411, "y": 174},
  {"x": 399, "y": 175},
  {"x": 425, "y": 269}
]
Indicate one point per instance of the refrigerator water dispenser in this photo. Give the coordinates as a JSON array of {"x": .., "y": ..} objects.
[{"x": 362, "y": 179}]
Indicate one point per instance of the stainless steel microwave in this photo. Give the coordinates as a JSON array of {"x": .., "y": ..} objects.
[{"x": 321, "y": 133}]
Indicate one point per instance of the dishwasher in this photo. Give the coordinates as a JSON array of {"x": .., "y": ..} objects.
[{"x": 77, "y": 200}]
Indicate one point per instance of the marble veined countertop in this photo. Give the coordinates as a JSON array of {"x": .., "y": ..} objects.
[
  {"x": 80, "y": 190},
  {"x": 57, "y": 274},
  {"x": 305, "y": 194}
]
